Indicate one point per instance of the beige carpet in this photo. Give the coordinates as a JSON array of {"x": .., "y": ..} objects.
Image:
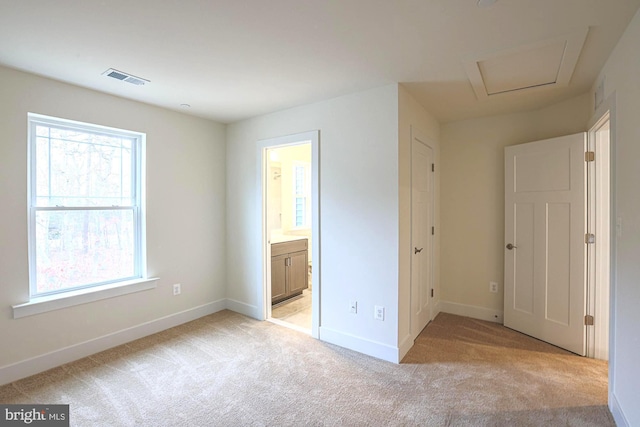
[{"x": 228, "y": 370}]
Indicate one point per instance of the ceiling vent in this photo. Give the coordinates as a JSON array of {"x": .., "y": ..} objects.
[
  {"x": 125, "y": 77},
  {"x": 549, "y": 63}
]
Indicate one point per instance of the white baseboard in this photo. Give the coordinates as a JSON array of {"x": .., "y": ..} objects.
[
  {"x": 473, "y": 311},
  {"x": 437, "y": 308},
  {"x": 243, "y": 308},
  {"x": 35, "y": 365},
  {"x": 616, "y": 411},
  {"x": 359, "y": 344},
  {"x": 405, "y": 346}
]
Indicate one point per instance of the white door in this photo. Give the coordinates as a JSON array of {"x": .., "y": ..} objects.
[
  {"x": 545, "y": 253},
  {"x": 421, "y": 232}
]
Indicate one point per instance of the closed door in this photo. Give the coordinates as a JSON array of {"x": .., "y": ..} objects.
[
  {"x": 421, "y": 232},
  {"x": 298, "y": 272},
  {"x": 279, "y": 272},
  {"x": 545, "y": 250}
]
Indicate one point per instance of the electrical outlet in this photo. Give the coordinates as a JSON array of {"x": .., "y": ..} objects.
[
  {"x": 353, "y": 307},
  {"x": 378, "y": 312},
  {"x": 493, "y": 287},
  {"x": 176, "y": 289}
]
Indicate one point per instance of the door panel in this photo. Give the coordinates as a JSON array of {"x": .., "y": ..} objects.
[
  {"x": 298, "y": 272},
  {"x": 545, "y": 284},
  {"x": 558, "y": 277},
  {"x": 529, "y": 176},
  {"x": 421, "y": 237},
  {"x": 278, "y": 277},
  {"x": 523, "y": 277}
]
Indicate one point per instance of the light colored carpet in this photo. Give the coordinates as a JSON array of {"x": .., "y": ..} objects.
[{"x": 229, "y": 370}]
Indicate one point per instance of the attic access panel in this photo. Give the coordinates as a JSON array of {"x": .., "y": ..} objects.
[{"x": 549, "y": 63}]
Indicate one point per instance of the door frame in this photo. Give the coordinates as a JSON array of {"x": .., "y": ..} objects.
[
  {"x": 422, "y": 138},
  {"x": 601, "y": 302},
  {"x": 264, "y": 279}
]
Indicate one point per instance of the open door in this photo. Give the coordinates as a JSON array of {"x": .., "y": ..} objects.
[{"x": 545, "y": 249}]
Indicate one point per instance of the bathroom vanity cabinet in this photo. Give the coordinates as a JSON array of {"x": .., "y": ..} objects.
[{"x": 289, "y": 269}]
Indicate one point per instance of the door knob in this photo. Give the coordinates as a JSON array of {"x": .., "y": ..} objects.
[
  {"x": 417, "y": 251},
  {"x": 510, "y": 246}
]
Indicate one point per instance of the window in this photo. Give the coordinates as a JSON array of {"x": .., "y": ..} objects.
[
  {"x": 301, "y": 195},
  {"x": 85, "y": 205}
]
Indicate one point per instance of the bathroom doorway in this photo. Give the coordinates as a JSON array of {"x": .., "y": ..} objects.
[{"x": 290, "y": 228}]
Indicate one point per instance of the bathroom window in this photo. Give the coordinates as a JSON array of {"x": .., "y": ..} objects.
[{"x": 301, "y": 195}]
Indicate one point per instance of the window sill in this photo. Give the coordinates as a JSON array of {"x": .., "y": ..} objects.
[{"x": 81, "y": 296}]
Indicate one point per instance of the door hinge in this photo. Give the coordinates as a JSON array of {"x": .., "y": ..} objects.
[
  {"x": 433, "y": 231},
  {"x": 589, "y": 156},
  {"x": 431, "y": 293},
  {"x": 588, "y": 320},
  {"x": 433, "y": 167},
  {"x": 589, "y": 238}
]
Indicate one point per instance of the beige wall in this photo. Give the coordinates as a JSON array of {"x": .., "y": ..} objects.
[
  {"x": 365, "y": 179},
  {"x": 620, "y": 75},
  {"x": 358, "y": 207},
  {"x": 472, "y": 203},
  {"x": 185, "y": 215},
  {"x": 410, "y": 113}
]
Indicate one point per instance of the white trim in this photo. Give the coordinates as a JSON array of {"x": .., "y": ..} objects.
[
  {"x": 610, "y": 105},
  {"x": 599, "y": 222},
  {"x": 361, "y": 345},
  {"x": 34, "y": 365},
  {"x": 473, "y": 311},
  {"x": 616, "y": 411},
  {"x": 137, "y": 207},
  {"x": 405, "y": 345},
  {"x": 316, "y": 229},
  {"x": 244, "y": 308},
  {"x": 81, "y": 296},
  {"x": 437, "y": 308}
]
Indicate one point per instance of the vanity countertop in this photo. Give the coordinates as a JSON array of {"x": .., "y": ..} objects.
[{"x": 280, "y": 238}]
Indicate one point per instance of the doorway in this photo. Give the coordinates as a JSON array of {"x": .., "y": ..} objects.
[
  {"x": 290, "y": 226},
  {"x": 599, "y": 223}
]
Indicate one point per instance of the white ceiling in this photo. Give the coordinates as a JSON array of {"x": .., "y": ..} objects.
[{"x": 233, "y": 59}]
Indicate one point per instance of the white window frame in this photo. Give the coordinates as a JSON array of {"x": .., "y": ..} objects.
[
  {"x": 42, "y": 302},
  {"x": 306, "y": 193}
]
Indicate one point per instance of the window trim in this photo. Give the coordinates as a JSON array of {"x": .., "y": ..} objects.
[
  {"x": 138, "y": 209},
  {"x": 306, "y": 194},
  {"x": 73, "y": 297}
]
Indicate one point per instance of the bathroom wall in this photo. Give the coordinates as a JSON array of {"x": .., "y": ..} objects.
[{"x": 280, "y": 205}]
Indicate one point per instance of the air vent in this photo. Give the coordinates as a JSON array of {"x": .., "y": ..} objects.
[{"x": 119, "y": 75}]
